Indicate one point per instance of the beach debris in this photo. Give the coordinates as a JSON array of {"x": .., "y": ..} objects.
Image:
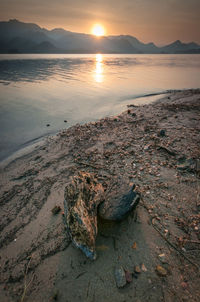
[
  {"x": 189, "y": 165},
  {"x": 119, "y": 201},
  {"x": 102, "y": 247},
  {"x": 184, "y": 285},
  {"x": 134, "y": 246},
  {"x": 162, "y": 133},
  {"x": 167, "y": 150},
  {"x": 162, "y": 258},
  {"x": 128, "y": 276},
  {"x": 56, "y": 210},
  {"x": 161, "y": 271},
  {"x": 137, "y": 269},
  {"x": 120, "y": 277},
  {"x": 82, "y": 197},
  {"x": 143, "y": 267}
]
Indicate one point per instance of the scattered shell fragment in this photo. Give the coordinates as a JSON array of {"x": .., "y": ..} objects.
[{"x": 161, "y": 271}]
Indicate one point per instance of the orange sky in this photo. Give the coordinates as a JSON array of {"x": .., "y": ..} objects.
[{"x": 160, "y": 21}]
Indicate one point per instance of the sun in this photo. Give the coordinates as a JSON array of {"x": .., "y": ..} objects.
[{"x": 98, "y": 30}]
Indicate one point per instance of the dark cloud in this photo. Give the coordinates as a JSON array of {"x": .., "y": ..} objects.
[{"x": 161, "y": 21}]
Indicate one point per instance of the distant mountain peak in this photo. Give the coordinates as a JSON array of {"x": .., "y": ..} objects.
[
  {"x": 177, "y": 42},
  {"x": 14, "y": 21}
]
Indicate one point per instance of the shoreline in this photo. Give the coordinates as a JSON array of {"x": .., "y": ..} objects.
[
  {"x": 30, "y": 145},
  {"x": 154, "y": 146}
]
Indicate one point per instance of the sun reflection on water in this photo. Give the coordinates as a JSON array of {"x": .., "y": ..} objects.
[{"x": 98, "y": 73}]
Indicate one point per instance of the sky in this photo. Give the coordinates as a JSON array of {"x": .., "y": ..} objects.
[{"x": 159, "y": 21}]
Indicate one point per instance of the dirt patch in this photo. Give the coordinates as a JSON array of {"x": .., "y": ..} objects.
[{"x": 38, "y": 261}]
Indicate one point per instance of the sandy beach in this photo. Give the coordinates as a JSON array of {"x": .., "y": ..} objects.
[{"x": 156, "y": 147}]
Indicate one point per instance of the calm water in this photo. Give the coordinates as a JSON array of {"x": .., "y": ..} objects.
[{"x": 36, "y": 90}]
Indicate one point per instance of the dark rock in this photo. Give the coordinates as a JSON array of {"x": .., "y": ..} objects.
[
  {"x": 47, "y": 125},
  {"x": 82, "y": 197},
  {"x": 65, "y": 121},
  {"x": 119, "y": 201},
  {"x": 120, "y": 277},
  {"x": 162, "y": 133},
  {"x": 56, "y": 210}
]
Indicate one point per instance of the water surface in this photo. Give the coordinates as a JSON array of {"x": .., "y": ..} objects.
[{"x": 36, "y": 90}]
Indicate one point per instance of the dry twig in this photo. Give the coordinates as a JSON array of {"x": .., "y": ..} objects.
[{"x": 26, "y": 285}]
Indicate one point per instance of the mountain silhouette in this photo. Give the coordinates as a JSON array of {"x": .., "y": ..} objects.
[{"x": 20, "y": 37}]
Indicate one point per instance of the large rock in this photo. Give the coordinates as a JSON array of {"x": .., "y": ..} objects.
[
  {"x": 82, "y": 197},
  {"x": 119, "y": 201}
]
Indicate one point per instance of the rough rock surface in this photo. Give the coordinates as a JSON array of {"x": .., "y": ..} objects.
[
  {"x": 119, "y": 201},
  {"x": 82, "y": 197}
]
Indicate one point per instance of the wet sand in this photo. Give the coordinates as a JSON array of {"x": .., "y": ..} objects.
[{"x": 155, "y": 146}]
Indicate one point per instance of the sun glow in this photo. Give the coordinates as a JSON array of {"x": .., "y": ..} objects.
[{"x": 98, "y": 30}]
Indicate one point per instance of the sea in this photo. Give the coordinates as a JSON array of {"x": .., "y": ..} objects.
[{"x": 41, "y": 94}]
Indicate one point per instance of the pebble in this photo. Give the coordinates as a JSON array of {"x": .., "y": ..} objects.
[
  {"x": 161, "y": 271},
  {"x": 120, "y": 277},
  {"x": 137, "y": 269},
  {"x": 162, "y": 258},
  {"x": 56, "y": 210},
  {"x": 162, "y": 133},
  {"x": 144, "y": 268},
  {"x": 128, "y": 276}
]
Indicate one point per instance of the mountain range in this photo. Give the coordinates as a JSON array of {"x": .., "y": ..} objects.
[{"x": 20, "y": 37}]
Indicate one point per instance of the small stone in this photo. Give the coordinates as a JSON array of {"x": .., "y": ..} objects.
[
  {"x": 120, "y": 277},
  {"x": 55, "y": 295},
  {"x": 184, "y": 285},
  {"x": 134, "y": 246},
  {"x": 143, "y": 267},
  {"x": 162, "y": 133},
  {"x": 161, "y": 271},
  {"x": 65, "y": 121},
  {"x": 47, "y": 125},
  {"x": 137, "y": 269},
  {"x": 56, "y": 210},
  {"x": 128, "y": 276},
  {"x": 162, "y": 258}
]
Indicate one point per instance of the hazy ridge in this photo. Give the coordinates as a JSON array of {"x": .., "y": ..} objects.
[{"x": 19, "y": 37}]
